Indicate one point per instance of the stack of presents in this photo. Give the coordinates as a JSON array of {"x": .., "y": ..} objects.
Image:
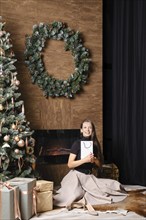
[{"x": 21, "y": 198}]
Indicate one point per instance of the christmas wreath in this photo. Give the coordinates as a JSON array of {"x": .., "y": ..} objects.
[{"x": 33, "y": 59}]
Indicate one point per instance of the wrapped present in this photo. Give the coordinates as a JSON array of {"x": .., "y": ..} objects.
[
  {"x": 44, "y": 185},
  {"x": 9, "y": 202},
  {"x": 26, "y": 190},
  {"x": 44, "y": 201}
]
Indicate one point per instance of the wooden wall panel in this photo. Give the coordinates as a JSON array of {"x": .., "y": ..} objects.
[{"x": 81, "y": 15}]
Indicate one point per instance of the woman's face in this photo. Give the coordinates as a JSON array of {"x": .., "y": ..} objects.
[{"x": 86, "y": 129}]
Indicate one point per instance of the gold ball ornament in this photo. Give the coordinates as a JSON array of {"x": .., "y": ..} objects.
[
  {"x": 14, "y": 127},
  {"x": 21, "y": 143},
  {"x": 16, "y": 151},
  {"x": 2, "y": 52},
  {"x": 16, "y": 138},
  {"x": 3, "y": 157},
  {"x": 1, "y": 107},
  {"x": 1, "y": 33},
  {"x": 6, "y": 138},
  {"x": 17, "y": 82}
]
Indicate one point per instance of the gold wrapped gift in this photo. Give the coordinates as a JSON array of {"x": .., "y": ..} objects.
[
  {"x": 44, "y": 201},
  {"x": 44, "y": 185}
]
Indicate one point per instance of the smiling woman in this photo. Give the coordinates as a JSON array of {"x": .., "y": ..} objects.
[{"x": 33, "y": 58}]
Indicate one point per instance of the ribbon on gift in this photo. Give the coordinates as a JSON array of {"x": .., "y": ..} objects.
[
  {"x": 16, "y": 204},
  {"x": 35, "y": 201}
]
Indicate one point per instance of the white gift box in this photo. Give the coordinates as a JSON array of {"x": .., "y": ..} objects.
[{"x": 86, "y": 148}]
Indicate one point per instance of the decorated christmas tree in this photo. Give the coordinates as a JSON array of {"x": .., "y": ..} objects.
[{"x": 16, "y": 141}]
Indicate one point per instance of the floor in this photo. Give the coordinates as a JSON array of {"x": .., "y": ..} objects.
[{"x": 81, "y": 214}]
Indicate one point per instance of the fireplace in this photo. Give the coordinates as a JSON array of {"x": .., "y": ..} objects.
[
  {"x": 53, "y": 146},
  {"x": 52, "y": 149}
]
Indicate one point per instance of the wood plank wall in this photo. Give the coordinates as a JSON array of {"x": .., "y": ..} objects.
[{"x": 84, "y": 16}]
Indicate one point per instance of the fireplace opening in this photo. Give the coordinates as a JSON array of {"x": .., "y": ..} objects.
[{"x": 53, "y": 146}]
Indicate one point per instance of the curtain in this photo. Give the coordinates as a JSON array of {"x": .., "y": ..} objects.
[{"x": 129, "y": 90}]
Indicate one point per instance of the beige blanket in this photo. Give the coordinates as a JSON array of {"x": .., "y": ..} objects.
[{"x": 76, "y": 186}]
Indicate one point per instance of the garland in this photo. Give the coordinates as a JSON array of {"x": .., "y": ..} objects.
[{"x": 33, "y": 59}]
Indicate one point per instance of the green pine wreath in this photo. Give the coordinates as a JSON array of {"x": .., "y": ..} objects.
[{"x": 33, "y": 59}]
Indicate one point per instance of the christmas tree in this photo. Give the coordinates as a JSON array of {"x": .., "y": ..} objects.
[{"x": 16, "y": 141}]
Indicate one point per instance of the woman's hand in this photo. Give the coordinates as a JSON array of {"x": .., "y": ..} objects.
[{"x": 89, "y": 158}]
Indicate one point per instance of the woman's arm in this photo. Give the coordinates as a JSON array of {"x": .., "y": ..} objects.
[{"x": 72, "y": 163}]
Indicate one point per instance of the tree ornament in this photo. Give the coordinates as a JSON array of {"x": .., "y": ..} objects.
[
  {"x": 16, "y": 138},
  {"x": 29, "y": 150},
  {"x": 6, "y": 138},
  {"x": 33, "y": 59},
  {"x": 21, "y": 143},
  {"x": 1, "y": 69},
  {"x": 2, "y": 52},
  {"x": 6, "y": 145},
  {"x": 3, "y": 157},
  {"x": 14, "y": 127},
  {"x": 1, "y": 33},
  {"x": 33, "y": 166},
  {"x": 16, "y": 151},
  {"x": 31, "y": 142},
  {"x": 17, "y": 82},
  {"x": 1, "y": 107}
]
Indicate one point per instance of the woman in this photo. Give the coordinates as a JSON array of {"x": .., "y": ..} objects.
[{"x": 80, "y": 184}]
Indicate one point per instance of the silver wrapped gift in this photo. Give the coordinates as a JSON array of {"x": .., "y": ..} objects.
[
  {"x": 26, "y": 189},
  {"x": 9, "y": 202}
]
